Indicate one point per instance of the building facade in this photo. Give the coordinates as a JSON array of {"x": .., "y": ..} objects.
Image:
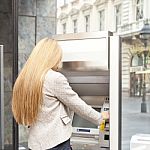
[{"x": 122, "y": 17}]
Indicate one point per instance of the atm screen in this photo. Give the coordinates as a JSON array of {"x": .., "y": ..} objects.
[{"x": 81, "y": 122}]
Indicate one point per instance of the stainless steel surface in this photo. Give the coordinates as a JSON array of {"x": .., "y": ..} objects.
[
  {"x": 86, "y": 35},
  {"x": 104, "y": 139},
  {"x": 88, "y": 83},
  {"x": 86, "y": 76},
  {"x": 85, "y": 51},
  {"x": 86, "y": 66},
  {"x": 91, "y": 89},
  {"x": 1, "y": 98},
  {"x": 85, "y": 62},
  {"x": 94, "y": 100}
]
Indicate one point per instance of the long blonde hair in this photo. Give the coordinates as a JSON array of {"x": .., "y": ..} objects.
[{"x": 27, "y": 91}]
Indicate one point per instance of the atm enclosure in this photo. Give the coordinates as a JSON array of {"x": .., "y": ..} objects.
[{"x": 91, "y": 63}]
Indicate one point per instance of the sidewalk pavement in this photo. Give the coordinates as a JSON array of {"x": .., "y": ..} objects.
[{"x": 133, "y": 121}]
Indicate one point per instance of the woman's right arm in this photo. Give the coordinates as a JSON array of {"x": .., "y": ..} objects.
[{"x": 68, "y": 97}]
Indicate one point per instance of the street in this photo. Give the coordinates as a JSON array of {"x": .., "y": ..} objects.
[{"x": 133, "y": 121}]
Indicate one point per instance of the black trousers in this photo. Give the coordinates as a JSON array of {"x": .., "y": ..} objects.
[{"x": 63, "y": 146}]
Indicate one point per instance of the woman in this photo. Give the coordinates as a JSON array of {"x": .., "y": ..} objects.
[{"x": 43, "y": 100}]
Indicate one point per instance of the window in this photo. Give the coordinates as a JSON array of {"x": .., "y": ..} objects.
[
  {"x": 65, "y": 2},
  {"x": 118, "y": 15},
  {"x": 75, "y": 26},
  {"x": 137, "y": 60},
  {"x": 101, "y": 20},
  {"x": 61, "y": 3},
  {"x": 139, "y": 9},
  {"x": 64, "y": 28},
  {"x": 87, "y": 23}
]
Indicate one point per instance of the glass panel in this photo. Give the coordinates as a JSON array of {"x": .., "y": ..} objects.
[{"x": 135, "y": 102}]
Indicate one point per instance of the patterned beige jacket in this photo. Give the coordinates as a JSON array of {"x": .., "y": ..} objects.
[{"x": 54, "y": 123}]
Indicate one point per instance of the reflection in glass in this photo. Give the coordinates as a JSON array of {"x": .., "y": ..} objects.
[{"x": 139, "y": 9}]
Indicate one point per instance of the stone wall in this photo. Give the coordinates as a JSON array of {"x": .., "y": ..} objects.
[
  {"x": 37, "y": 19},
  {"x": 6, "y": 39}
]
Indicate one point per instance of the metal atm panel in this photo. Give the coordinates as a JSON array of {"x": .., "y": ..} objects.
[
  {"x": 89, "y": 83},
  {"x": 86, "y": 64}
]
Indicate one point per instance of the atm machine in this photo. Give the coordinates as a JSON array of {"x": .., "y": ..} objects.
[
  {"x": 90, "y": 63},
  {"x": 93, "y": 87}
]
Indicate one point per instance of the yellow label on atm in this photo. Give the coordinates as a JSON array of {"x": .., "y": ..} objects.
[{"x": 102, "y": 125}]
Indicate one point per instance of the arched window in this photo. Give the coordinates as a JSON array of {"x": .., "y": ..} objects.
[
  {"x": 140, "y": 61},
  {"x": 137, "y": 60},
  {"x": 136, "y": 79}
]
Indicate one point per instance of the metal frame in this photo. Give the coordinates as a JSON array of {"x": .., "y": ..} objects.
[
  {"x": 115, "y": 93},
  {"x": 1, "y": 97},
  {"x": 80, "y": 36},
  {"x": 15, "y": 134}
]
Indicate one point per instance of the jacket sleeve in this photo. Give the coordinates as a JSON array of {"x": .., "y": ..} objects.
[{"x": 68, "y": 97}]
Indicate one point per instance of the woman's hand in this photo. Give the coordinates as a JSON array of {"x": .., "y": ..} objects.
[
  {"x": 104, "y": 119},
  {"x": 105, "y": 115}
]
